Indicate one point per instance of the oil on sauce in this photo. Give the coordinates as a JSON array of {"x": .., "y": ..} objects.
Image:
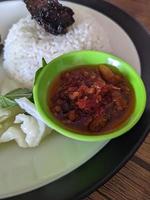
[{"x": 94, "y": 99}]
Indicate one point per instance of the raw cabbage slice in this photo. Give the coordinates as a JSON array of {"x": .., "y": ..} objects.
[
  {"x": 14, "y": 133},
  {"x": 7, "y": 117},
  {"x": 33, "y": 129},
  {"x": 9, "y": 131},
  {"x": 33, "y": 126},
  {"x": 26, "y": 130},
  {"x": 29, "y": 107},
  {"x": 4, "y": 114}
]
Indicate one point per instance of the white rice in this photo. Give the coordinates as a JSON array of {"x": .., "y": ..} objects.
[{"x": 27, "y": 43}]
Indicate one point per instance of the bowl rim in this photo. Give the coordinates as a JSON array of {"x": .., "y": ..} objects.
[{"x": 81, "y": 137}]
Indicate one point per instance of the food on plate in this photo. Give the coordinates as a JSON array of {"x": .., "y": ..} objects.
[
  {"x": 94, "y": 99},
  {"x": 1, "y": 45},
  {"x": 27, "y": 43},
  {"x": 19, "y": 119},
  {"x": 23, "y": 124},
  {"x": 8, "y": 100},
  {"x": 48, "y": 31},
  {"x": 51, "y": 15}
]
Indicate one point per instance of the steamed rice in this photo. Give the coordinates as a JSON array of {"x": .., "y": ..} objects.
[{"x": 27, "y": 43}]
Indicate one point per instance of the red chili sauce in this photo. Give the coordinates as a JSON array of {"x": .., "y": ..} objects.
[{"x": 91, "y": 100}]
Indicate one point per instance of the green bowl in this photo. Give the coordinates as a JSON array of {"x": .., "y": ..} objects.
[{"x": 50, "y": 71}]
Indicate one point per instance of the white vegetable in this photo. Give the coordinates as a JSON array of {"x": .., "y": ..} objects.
[
  {"x": 29, "y": 107},
  {"x": 33, "y": 128},
  {"x": 26, "y": 130},
  {"x": 7, "y": 117},
  {"x": 4, "y": 114},
  {"x": 8, "y": 131},
  {"x": 14, "y": 133}
]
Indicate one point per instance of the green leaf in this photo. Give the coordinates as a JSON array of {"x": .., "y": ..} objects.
[
  {"x": 19, "y": 93},
  {"x": 8, "y": 100},
  {"x": 44, "y": 63},
  {"x": 37, "y": 74}
]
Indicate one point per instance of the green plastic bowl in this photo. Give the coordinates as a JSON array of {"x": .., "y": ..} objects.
[{"x": 51, "y": 70}]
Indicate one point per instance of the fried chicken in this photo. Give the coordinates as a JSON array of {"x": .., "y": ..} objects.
[{"x": 51, "y": 15}]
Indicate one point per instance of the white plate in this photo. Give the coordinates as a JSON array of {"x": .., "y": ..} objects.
[{"x": 22, "y": 170}]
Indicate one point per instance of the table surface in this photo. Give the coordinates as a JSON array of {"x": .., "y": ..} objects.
[{"x": 132, "y": 182}]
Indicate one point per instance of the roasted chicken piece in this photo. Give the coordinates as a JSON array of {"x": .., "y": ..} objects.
[{"x": 51, "y": 15}]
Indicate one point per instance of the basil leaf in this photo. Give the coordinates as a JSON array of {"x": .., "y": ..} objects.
[
  {"x": 44, "y": 63},
  {"x": 19, "y": 93},
  {"x": 37, "y": 74},
  {"x": 6, "y": 102}
]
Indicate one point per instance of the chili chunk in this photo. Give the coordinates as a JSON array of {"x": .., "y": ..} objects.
[{"x": 91, "y": 99}]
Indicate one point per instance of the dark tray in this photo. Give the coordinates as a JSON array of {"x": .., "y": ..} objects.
[{"x": 109, "y": 160}]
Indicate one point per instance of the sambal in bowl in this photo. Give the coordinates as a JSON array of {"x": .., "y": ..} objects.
[{"x": 89, "y": 95}]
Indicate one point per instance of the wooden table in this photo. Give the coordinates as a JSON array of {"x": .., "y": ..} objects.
[{"x": 133, "y": 181}]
